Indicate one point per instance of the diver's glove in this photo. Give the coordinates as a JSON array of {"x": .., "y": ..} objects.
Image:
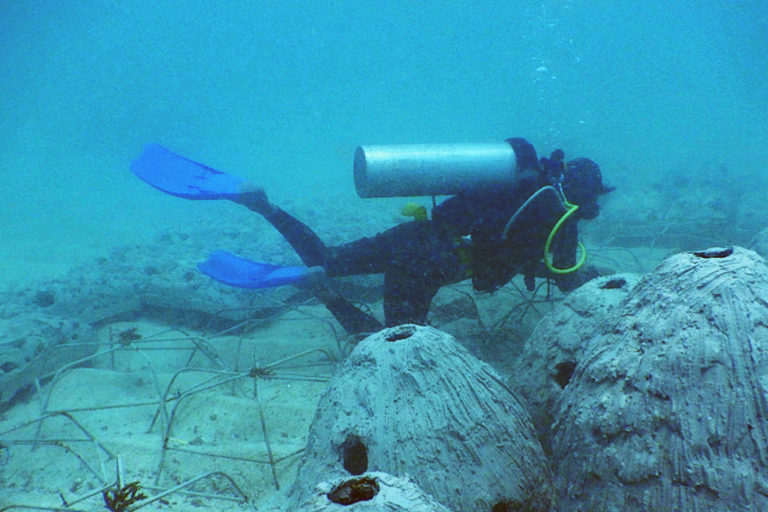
[
  {"x": 565, "y": 282},
  {"x": 569, "y": 282}
]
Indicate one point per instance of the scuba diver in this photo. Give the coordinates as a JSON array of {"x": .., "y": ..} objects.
[{"x": 487, "y": 234}]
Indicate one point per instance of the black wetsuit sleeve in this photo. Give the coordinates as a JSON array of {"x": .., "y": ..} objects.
[
  {"x": 481, "y": 216},
  {"x": 564, "y": 245},
  {"x": 528, "y": 236},
  {"x": 456, "y": 214},
  {"x": 565, "y": 253}
]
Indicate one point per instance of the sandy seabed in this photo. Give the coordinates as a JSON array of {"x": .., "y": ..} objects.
[
  {"x": 171, "y": 399},
  {"x": 171, "y": 406}
]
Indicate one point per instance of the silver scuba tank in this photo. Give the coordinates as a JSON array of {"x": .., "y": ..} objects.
[{"x": 433, "y": 169}]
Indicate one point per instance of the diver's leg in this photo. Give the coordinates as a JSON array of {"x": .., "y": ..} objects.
[
  {"x": 304, "y": 241},
  {"x": 423, "y": 259},
  {"x": 407, "y": 298},
  {"x": 416, "y": 259},
  {"x": 410, "y": 245},
  {"x": 353, "y": 319},
  {"x": 312, "y": 252}
]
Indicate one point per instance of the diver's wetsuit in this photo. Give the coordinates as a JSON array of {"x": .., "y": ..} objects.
[{"x": 420, "y": 256}]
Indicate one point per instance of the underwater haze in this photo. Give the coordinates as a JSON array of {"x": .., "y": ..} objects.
[{"x": 281, "y": 92}]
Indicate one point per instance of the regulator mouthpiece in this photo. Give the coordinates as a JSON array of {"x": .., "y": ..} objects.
[{"x": 433, "y": 169}]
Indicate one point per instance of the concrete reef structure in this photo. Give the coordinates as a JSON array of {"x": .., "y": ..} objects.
[
  {"x": 412, "y": 401},
  {"x": 668, "y": 407}
]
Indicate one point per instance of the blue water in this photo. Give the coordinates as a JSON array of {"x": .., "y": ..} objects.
[{"x": 282, "y": 92}]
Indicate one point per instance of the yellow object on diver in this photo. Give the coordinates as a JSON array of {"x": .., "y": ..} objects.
[{"x": 415, "y": 210}]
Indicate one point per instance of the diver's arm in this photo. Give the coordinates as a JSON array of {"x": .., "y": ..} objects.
[
  {"x": 564, "y": 253},
  {"x": 569, "y": 282},
  {"x": 565, "y": 245}
]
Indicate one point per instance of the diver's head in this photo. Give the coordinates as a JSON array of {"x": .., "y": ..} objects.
[{"x": 582, "y": 184}]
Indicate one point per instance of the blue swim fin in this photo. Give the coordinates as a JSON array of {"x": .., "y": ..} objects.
[
  {"x": 179, "y": 176},
  {"x": 241, "y": 273}
]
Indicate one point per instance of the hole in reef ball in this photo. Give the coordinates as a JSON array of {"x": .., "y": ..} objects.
[
  {"x": 504, "y": 506},
  {"x": 564, "y": 373},
  {"x": 614, "y": 284},
  {"x": 44, "y": 298},
  {"x": 8, "y": 366},
  {"x": 354, "y": 491},
  {"x": 714, "y": 252},
  {"x": 354, "y": 455},
  {"x": 401, "y": 333}
]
